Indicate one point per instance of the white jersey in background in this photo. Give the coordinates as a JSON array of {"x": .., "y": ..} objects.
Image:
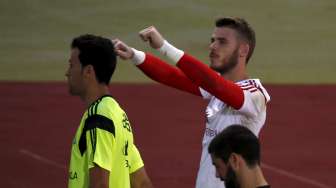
[{"x": 219, "y": 116}]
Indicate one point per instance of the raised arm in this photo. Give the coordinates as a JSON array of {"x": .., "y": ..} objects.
[
  {"x": 199, "y": 73},
  {"x": 225, "y": 90},
  {"x": 156, "y": 69}
]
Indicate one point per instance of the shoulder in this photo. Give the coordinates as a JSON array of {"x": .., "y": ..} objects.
[
  {"x": 99, "y": 122},
  {"x": 108, "y": 103},
  {"x": 105, "y": 106},
  {"x": 103, "y": 114},
  {"x": 255, "y": 97},
  {"x": 254, "y": 89}
]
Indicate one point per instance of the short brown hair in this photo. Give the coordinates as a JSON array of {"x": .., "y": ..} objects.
[
  {"x": 236, "y": 139},
  {"x": 243, "y": 29},
  {"x": 98, "y": 52}
]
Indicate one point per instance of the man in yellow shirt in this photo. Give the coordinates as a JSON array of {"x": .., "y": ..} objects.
[{"x": 103, "y": 153}]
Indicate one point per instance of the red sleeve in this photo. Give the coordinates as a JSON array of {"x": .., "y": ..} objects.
[
  {"x": 202, "y": 75},
  {"x": 166, "y": 74}
]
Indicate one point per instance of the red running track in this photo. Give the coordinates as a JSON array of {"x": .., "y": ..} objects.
[{"x": 38, "y": 121}]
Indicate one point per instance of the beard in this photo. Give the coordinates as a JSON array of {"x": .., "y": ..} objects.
[
  {"x": 230, "y": 180},
  {"x": 232, "y": 62}
]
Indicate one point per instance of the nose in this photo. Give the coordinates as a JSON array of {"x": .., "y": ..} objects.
[
  {"x": 212, "y": 45},
  {"x": 217, "y": 174}
]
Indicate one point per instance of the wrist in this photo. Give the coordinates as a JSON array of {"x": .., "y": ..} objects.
[
  {"x": 171, "y": 51},
  {"x": 138, "y": 57}
]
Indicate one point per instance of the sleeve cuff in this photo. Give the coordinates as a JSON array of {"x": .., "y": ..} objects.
[
  {"x": 171, "y": 51},
  {"x": 138, "y": 57}
]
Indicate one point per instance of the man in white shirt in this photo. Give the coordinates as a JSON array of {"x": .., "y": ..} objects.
[{"x": 234, "y": 98}]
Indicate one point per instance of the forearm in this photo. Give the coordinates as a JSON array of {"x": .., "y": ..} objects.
[
  {"x": 164, "y": 73},
  {"x": 99, "y": 177},
  {"x": 140, "y": 179}
]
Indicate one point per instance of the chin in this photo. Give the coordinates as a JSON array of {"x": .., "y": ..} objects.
[
  {"x": 212, "y": 65},
  {"x": 215, "y": 68},
  {"x": 216, "y": 65}
]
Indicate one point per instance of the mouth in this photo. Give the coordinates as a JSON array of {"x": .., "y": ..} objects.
[{"x": 213, "y": 55}]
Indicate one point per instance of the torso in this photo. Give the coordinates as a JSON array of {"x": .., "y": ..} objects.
[
  {"x": 110, "y": 141},
  {"x": 219, "y": 116}
]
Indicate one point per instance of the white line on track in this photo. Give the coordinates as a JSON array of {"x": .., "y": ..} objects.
[
  {"x": 265, "y": 166},
  {"x": 294, "y": 176},
  {"x": 41, "y": 159}
]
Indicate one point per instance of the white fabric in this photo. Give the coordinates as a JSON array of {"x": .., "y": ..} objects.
[
  {"x": 138, "y": 57},
  {"x": 171, "y": 51},
  {"x": 219, "y": 116}
]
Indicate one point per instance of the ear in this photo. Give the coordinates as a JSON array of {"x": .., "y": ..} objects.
[
  {"x": 88, "y": 71},
  {"x": 244, "y": 49},
  {"x": 235, "y": 161}
]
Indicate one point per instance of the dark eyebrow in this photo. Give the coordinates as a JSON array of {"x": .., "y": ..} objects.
[{"x": 222, "y": 39}]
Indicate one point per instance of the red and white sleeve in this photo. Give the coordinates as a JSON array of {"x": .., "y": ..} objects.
[
  {"x": 158, "y": 70},
  {"x": 225, "y": 90},
  {"x": 201, "y": 75},
  {"x": 256, "y": 97}
]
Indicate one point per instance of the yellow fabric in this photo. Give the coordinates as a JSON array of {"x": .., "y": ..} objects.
[{"x": 113, "y": 151}]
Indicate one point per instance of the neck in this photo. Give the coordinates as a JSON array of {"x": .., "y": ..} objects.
[
  {"x": 238, "y": 73},
  {"x": 252, "y": 178},
  {"x": 93, "y": 93}
]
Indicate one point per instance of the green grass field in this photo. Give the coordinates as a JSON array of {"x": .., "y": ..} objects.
[{"x": 295, "y": 38}]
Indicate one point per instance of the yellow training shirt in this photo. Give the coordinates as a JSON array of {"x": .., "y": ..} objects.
[{"x": 104, "y": 138}]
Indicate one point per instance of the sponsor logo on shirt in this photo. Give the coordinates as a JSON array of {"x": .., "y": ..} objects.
[
  {"x": 73, "y": 175},
  {"x": 210, "y": 132}
]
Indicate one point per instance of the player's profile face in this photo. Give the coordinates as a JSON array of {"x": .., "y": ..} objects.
[
  {"x": 231, "y": 180},
  {"x": 225, "y": 172},
  {"x": 221, "y": 167},
  {"x": 74, "y": 73},
  {"x": 223, "y": 49}
]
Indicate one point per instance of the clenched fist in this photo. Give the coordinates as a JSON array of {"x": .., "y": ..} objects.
[
  {"x": 152, "y": 35},
  {"x": 123, "y": 51}
]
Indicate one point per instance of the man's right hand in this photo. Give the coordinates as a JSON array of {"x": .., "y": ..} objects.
[
  {"x": 123, "y": 51},
  {"x": 152, "y": 35}
]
